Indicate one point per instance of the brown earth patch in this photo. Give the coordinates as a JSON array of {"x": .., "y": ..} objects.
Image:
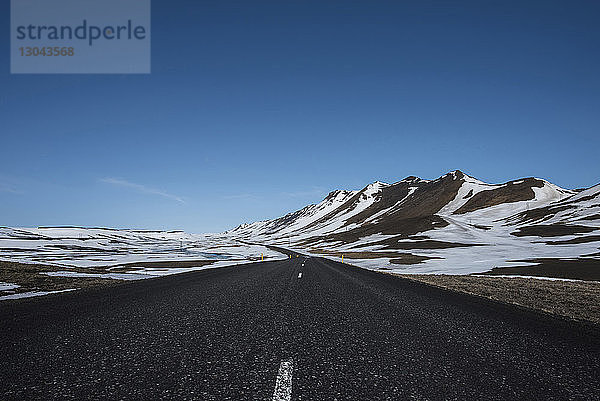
[
  {"x": 578, "y": 300},
  {"x": 578, "y": 269},
  {"x": 479, "y": 226},
  {"x": 410, "y": 259},
  {"x": 552, "y": 230},
  {"x": 539, "y": 214},
  {"x": 83, "y": 248},
  {"x": 28, "y": 277},
  {"x": 392, "y": 243},
  {"x": 579, "y": 240},
  {"x": 510, "y": 192}
]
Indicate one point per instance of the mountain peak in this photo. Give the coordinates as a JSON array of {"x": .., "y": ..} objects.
[
  {"x": 456, "y": 174},
  {"x": 378, "y": 184},
  {"x": 411, "y": 179},
  {"x": 374, "y": 187}
]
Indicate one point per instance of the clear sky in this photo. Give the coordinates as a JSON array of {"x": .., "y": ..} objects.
[{"x": 254, "y": 109}]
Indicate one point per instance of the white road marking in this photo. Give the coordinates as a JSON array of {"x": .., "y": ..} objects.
[
  {"x": 283, "y": 385},
  {"x": 300, "y": 275}
]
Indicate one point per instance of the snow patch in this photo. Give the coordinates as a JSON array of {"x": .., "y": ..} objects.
[
  {"x": 30, "y": 294},
  {"x": 8, "y": 286}
]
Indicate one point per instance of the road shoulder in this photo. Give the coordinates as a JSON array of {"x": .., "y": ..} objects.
[{"x": 576, "y": 300}]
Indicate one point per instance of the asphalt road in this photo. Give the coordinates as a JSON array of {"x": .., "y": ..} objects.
[{"x": 342, "y": 333}]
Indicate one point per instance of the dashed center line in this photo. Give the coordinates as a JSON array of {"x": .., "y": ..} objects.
[
  {"x": 283, "y": 385},
  {"x": 300, "y": 275}
]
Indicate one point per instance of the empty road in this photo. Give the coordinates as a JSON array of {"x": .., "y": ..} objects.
[{"x": 299, "y": 329}]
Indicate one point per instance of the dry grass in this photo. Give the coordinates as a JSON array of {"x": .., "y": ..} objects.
[
  {"x": 579, "y": 300},
  {"x": 28, "y": 277}
]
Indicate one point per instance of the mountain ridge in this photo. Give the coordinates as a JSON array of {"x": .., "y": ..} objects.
[{"x": 453, "y": 211}]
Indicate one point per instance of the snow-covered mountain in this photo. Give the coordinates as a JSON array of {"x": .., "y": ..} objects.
[{"x": 454, "y": 224}]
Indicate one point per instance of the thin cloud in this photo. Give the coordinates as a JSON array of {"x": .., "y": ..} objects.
[
  {"x": 8, "y": 188},
  {"x": 141, "y": 188}
]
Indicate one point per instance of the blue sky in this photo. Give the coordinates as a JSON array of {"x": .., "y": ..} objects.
[{"x": 254, "y": 109}]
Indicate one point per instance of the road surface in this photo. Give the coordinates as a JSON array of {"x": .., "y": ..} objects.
[{"x": 299, "y": 329}]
